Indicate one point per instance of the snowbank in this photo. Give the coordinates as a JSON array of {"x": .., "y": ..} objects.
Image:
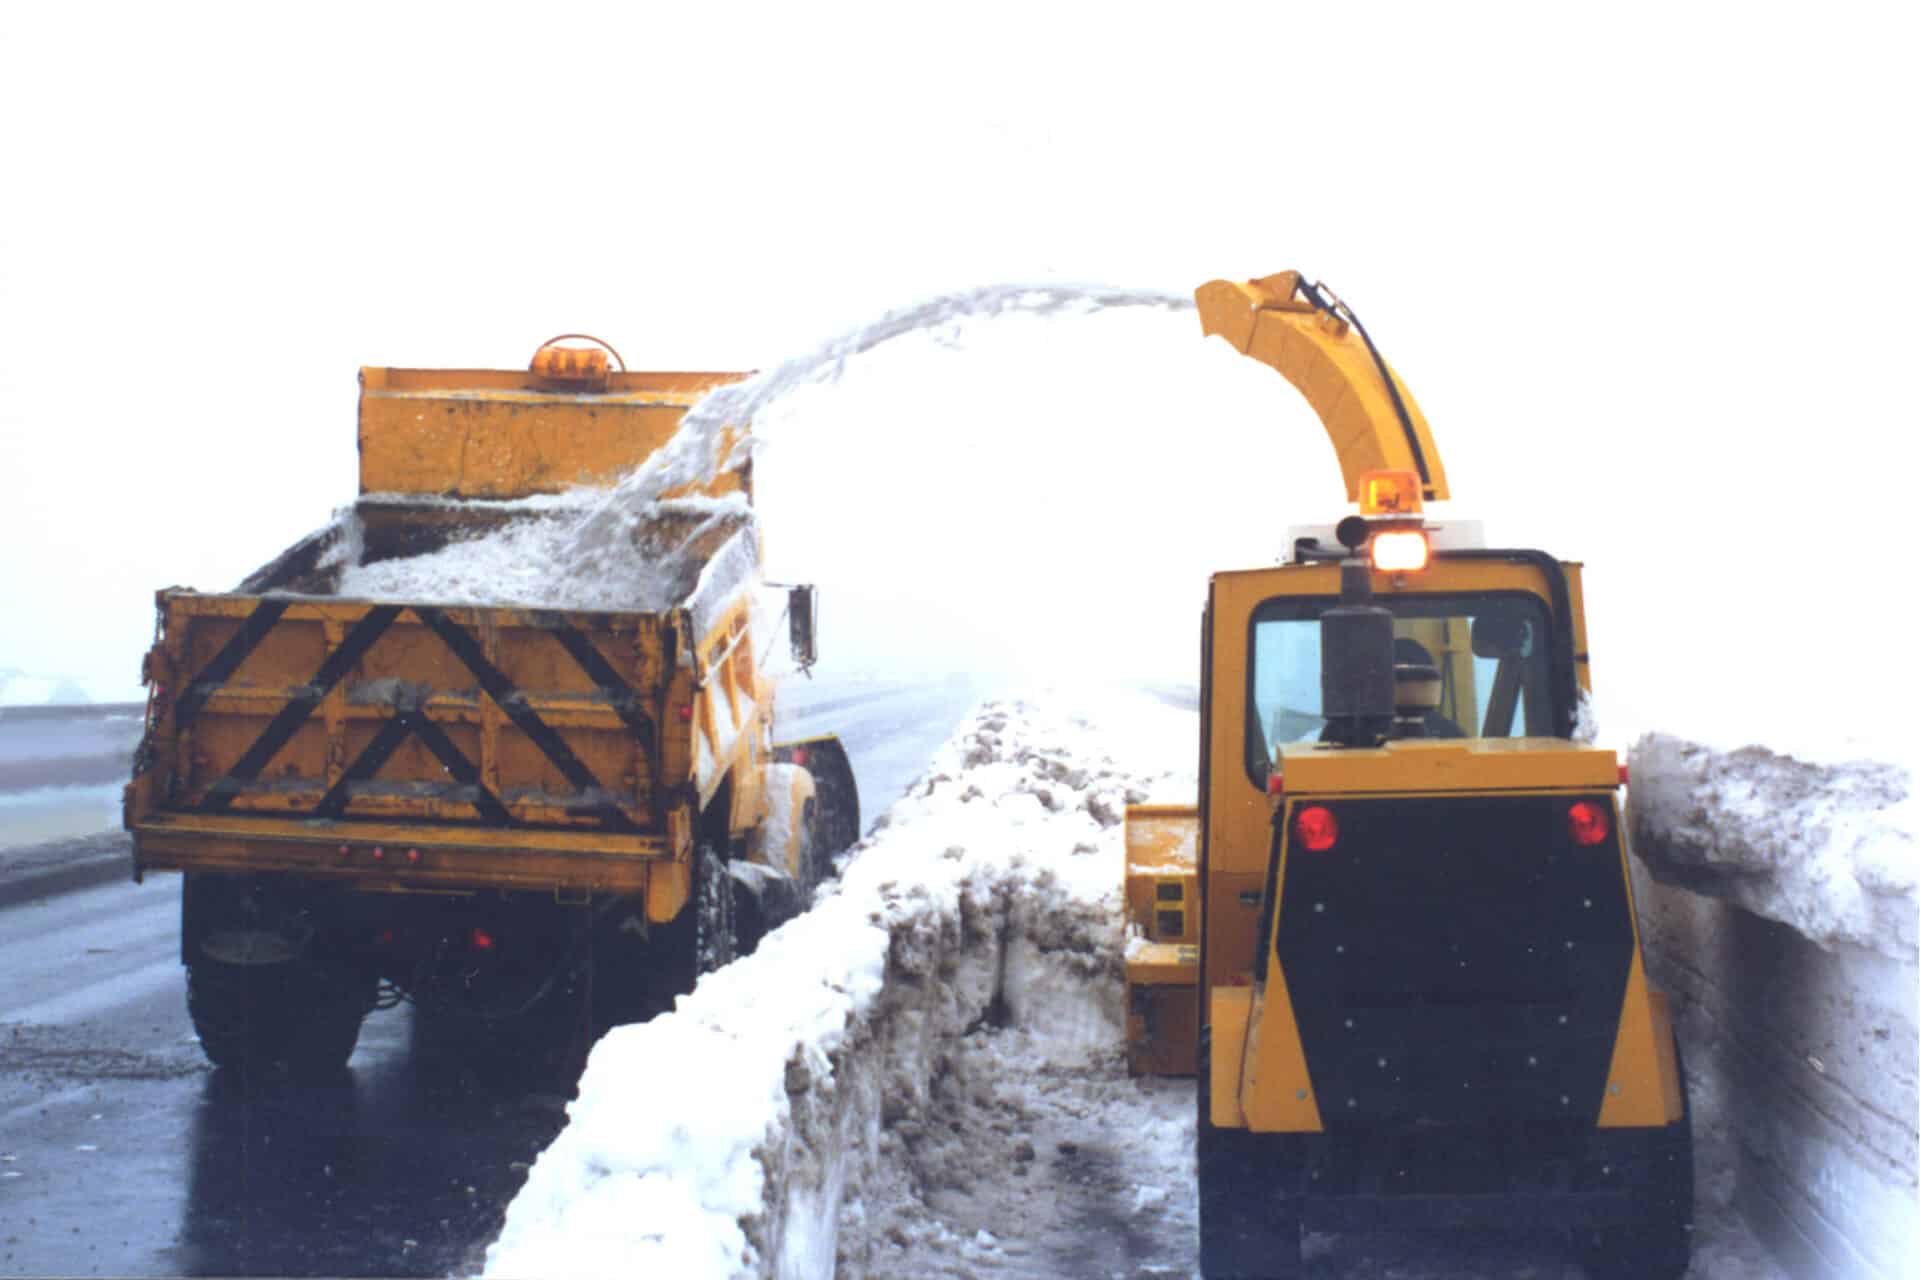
[
  {"x": 1781, "y": 912},
  {"x": 1830, "y": 849},
  {"x": 24, "y": 689},
  {"x": 989, "y": 895}
]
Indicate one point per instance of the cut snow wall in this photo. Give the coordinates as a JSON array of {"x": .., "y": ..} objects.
[
  {"x": 988, "y": 892},
  {"x": 1781, "y": 914}
]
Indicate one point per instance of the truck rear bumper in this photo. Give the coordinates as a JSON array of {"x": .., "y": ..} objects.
[{"x": 401, "y": 856}]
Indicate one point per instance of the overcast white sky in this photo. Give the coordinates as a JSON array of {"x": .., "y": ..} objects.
[{"x": 1647, "y": 268}]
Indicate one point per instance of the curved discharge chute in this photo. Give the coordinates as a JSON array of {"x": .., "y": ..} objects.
[{"x": 1318, "y": 345}]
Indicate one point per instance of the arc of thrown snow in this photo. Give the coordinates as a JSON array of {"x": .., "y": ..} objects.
[{"x": 688, "y": 459}]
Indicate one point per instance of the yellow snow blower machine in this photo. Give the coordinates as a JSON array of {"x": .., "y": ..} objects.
[{"x": 1396, "y": 940}]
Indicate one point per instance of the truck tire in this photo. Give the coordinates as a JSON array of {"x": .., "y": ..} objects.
[
  {"x": 1659, "y": 1245},
  {"x": 815, "y": 861},
  {"x": 1249, "y": 1215},
  {"x": 714, "y": 927},
  {"x": 256, "y": 1017}
]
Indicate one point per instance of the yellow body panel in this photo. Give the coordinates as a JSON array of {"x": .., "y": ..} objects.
[
  {"x": 1163, "y": 964},
  {"x": 209, "y": 796},
  {"x": 1276, "y": 1094},
  {"x": 1163, "y": 924},
  {"x": 1163, "y": 1008},
  {"x": 1326, "y": 360},
  {"x": 472, "y": 433},
  {"x": 409, "y": 666},
  {"x": 1434, "y": 765},
  {"x": 1163, "y": 843},
  {"x": 447, "y": 859},
  {"x": 1228, "y": 1011},
  {"x": 1643, "y": 1081}
]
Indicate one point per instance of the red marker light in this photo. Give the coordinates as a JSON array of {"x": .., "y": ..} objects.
[
  {"x": 482, "y": 940},
  {"x": 800, "y": 756},
  {"x": 1588, "y": 823},
  {"x": 1316, "y": 828},
  {"x": 1274, "y": 783},
  {"x": 1623, "y": 775},
  {"x": 379, "y": 854},
  {"x": 413, "y": 855}
]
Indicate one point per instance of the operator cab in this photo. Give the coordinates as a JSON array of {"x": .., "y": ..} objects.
[{"x": 1477, "y": 663}]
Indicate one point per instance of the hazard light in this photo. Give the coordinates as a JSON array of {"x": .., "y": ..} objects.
[
  {"x": 574, "y": 368},
  {"x": 1399, "y": 550},
  {"x": 1588, "y": 823},
  {"x": 1316, "y": 828}
]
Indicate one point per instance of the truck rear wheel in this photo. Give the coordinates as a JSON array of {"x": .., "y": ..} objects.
[
  {"x": 1249, "y": 1207},
  {"x": 640, "y": 969},
  {"x": 254, "y": 1017}
]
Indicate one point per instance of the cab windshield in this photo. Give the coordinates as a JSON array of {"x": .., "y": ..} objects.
[{"x": 1491, "y": 650}]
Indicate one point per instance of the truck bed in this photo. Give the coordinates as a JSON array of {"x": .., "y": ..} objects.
[{"x": 422, "y": 739}]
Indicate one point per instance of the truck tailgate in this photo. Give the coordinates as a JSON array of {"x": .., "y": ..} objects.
[{"x": 462, "y": 737}]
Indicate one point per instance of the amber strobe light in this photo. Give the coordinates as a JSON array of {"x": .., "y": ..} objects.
[
  {"x": 1389, "y": 493},
  {"x": 1588, "y": 822},
  {"x": 1316, "y": 828}
]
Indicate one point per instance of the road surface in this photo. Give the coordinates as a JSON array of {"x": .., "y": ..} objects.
[{"x": 123, "y": 1153}]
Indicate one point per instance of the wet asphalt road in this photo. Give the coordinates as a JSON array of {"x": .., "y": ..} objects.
[{"x": 122, "y": 1152}]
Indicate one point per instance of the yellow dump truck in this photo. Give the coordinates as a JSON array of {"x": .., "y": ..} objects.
[
  {"x": 1395, "y": 940},
  {"x": 531, "y": 822}
]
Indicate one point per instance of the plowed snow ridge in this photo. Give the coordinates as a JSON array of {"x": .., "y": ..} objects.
[{"x": 921, "y": 1076}]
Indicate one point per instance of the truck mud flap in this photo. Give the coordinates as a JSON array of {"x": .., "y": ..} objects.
[{"x": 837, "y": 799}]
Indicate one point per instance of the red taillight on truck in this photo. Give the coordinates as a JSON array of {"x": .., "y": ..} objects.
[
  {"x": 482, "y": 940},
  {"x": 1588, "y": 823},
  {"x": 1316, "y": 828}
]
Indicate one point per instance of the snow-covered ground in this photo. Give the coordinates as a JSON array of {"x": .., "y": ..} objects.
[{"x": 855, "y": 1074}]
